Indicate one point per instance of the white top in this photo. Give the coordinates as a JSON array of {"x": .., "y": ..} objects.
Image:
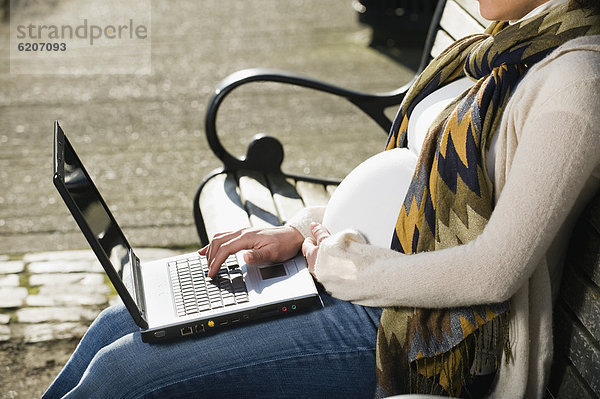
[{"x": 369, "y": 199}]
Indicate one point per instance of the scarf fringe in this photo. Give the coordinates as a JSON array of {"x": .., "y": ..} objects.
[{"x": 449, "y": 372}]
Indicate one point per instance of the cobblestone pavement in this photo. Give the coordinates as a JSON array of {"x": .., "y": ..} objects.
[
  {"x": 47, "y": 300},
  {"x": 54, "y": 295}
]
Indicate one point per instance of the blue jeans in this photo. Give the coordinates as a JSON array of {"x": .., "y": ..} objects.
[{"x": 325, "y": 353}]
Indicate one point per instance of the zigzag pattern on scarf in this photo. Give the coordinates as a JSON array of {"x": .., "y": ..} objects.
[{"x": 450, "y": 197}]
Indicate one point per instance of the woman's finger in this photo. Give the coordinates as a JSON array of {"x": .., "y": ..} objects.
[
  {"x": 309, "y": 250},
  {"x": 319, "y": 232},
  {"x": 238, "y": 242},
  {"x": 308, "y": 244},
  {"x": 217, "y": 241},
  {"x": 203, "y": 250}
]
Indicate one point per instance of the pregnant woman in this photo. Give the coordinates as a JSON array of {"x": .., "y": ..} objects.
[{"x": 438, "y": 258}]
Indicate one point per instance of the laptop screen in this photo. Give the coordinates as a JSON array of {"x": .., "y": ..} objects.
[
  {"x": 93, "y": 209},
  {"x": 94, "y": 218}
]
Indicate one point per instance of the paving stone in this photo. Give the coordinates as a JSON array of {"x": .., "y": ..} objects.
[
  {"x": 73, "y": 289},
  {"x": 83, "y": 254},
  {"x": 61, "y": 314},
  {"x": 9, "y": 280},
  {"x": 4, "y": 333},
  {"x": 115, "y": 300},
  {"x": 58, "y": 266},
  {"x": 12, "y": 297},
  {"x": 65, "y": 300},
  {"x": 11, "y": 266},
  {"x": 80, "y": 279},
  {"x": 44, "y": 332},
  {"x": 4, "y": 318}
]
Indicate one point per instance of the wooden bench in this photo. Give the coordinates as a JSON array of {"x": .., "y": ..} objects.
[{"x": 254, "y": 191}]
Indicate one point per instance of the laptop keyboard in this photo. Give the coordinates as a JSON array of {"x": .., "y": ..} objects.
[{"x": 194, "y": 292}]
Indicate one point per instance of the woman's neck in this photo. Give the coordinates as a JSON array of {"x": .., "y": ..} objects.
[{"x": 539, "y": 9}]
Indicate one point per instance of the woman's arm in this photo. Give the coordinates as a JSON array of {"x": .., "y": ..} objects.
[{"x": 302, "y": 220}]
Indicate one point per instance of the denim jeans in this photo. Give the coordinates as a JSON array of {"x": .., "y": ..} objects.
[{"x": 325, "y": 353}]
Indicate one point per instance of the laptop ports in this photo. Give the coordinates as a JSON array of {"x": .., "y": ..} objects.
[{"x": 187, "y": 331}]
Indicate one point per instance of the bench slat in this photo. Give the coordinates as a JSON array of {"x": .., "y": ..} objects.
[
  {"x": 590, "y": 253},
  {"x": 566, "y": 383},
  {"x": 221, "y": 205},
  {"x": 257, "y": 199},
  {"x": 587, "y": 252},
  {"x": 442, "y": 41},
  {"x": 457, "y": 22},
  {"x": 330, "y": 189},
  {"x": 583, "y": 298},
  {"x": 460, "y": 18},
  {"x": 286, "y": 198},
  {"x": 577, "y": 344},
  {"x": 313, "y": 194},
  {"x": 472, "y": 8}
]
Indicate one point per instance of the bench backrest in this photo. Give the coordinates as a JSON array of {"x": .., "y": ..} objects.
[{"x": 576, "y": 364}]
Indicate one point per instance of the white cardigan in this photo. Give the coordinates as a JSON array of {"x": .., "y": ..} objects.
[{"x": 547, "y": 168}]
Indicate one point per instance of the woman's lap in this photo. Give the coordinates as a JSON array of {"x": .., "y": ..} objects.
[{"x": 328, "y": 352}]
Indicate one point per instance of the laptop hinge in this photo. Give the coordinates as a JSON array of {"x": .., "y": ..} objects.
[{"x": 138, "y": 285}]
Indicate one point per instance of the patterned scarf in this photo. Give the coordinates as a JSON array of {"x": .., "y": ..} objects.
[{"x": 450, "y": 198}]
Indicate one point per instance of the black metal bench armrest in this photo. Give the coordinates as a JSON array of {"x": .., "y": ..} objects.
[{"x": 373, "y": 105}]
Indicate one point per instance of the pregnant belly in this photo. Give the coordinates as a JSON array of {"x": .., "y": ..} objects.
[{"x": 370, "y": 197}]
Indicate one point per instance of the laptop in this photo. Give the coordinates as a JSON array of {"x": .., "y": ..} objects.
[{"x": 173, "y": 297}]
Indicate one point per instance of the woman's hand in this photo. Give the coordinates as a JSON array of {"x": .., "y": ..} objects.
[
  {"x": 273, "y": 244},
  {"x": 310, "y": 246}
]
